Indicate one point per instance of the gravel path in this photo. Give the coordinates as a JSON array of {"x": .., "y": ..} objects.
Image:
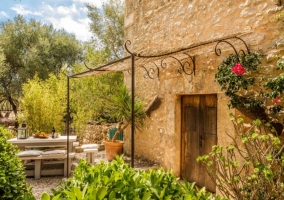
[{"x": 46, "y": 183}]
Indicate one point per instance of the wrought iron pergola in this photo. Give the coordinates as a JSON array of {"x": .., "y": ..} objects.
[{"x": 185, "y": 63}]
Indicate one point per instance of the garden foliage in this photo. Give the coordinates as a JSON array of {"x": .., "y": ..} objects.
[
  {"x": 120, "y": 105},
  {"x": 252, "y": 166},
  {"x": 117, "y": 180},
  {"x": 8, "y": 134},
  {"x": 13, "y": 184},
  {"x": 44, "y": 104}
]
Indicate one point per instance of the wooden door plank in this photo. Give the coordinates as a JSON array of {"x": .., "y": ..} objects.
[
  {"x": 199, "y": 134},
  {"x": 209, "y": 136}
]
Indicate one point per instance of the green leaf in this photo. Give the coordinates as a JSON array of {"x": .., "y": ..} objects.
[
  {"x": 70, "y": 195},
  {"x": 240, "y": 121},
  {"x": 169, "y": 197},
  {"x": 45, "y": 196},
  {"x": 254, "y": 135},
  {"x": 101, "y": 193},
  {"x": 146, "y": 196},
  {"x": 111, "y": 195},
  {"x": 106, "y": 180}
]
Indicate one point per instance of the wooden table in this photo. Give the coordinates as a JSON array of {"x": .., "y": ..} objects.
[
  {"x": 44, "y": 142},
  {"x": 38, "y": 168}
]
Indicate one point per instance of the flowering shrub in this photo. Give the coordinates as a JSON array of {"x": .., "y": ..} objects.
[
  {"x": 234, "y": 74},
  {"x": 247, "y": 89}
]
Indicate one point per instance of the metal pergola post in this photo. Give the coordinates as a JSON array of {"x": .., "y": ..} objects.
[
  {"x": 67, "y": 122},
  {"x": 132, "y": 108}
]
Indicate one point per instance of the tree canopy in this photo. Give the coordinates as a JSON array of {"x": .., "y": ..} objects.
[
  {"x": 27, "y": 48},
  {"x": 107, "y": 25}
]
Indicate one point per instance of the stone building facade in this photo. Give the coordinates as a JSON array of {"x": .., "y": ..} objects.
[{"x": 162, "y": 26}]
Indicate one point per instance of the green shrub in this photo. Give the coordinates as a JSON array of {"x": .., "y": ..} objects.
[
  {"x": 43, "y": 104},
  {"x": 117, "y": 180},
  {"x": 6, "y": 132},
  {"x": 12, "y": 176}
]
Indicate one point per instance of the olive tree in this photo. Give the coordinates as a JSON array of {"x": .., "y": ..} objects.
[{"x": 29, "y": 48}]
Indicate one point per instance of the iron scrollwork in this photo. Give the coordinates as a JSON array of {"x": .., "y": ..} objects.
[
  {"x": 218, "y": 51},
  {"x": 185, "y": 67},
  {"x": 152, "y": 72},
  {"x": 188, "y": 66}
]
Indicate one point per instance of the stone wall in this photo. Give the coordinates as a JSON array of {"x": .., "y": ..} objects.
[
  {"x": 160, "y": 26},
  {"x": 95, "y": 133}
]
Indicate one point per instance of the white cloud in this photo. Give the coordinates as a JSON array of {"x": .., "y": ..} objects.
[
  {"x": 4, "y": 14},
  {"x": 84, "y": 10},
  {"x": 95, "y": 2},
  {"x": 79, "y": 27},
  {"x": 21, "y": 10},
  {"x": 67, "y": 10},
  {"x": 71, "y": 16},
  {"x": 49, "y": 8}
]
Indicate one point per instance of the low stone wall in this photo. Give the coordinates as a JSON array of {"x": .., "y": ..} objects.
[{"x": 95, "y": 133}]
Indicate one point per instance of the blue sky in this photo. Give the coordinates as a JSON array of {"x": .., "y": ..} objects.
[{"x": 68, "y": 14}]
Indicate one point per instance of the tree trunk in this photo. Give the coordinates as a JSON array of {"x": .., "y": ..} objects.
[
  {"x": 119, "y": 129},
  {"x": 15, "y": 110}
]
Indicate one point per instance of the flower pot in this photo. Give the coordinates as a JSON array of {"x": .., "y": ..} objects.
[{"x": 113, "y": 148}]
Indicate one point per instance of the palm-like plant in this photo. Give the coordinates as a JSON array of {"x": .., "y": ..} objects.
[{"x": 120, "y": 107}]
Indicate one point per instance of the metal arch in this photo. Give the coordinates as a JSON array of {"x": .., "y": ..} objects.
[
  {"x": 164, "y": 64},
  {"x": 87, "y": 66},
  {"x": 184, "y": 66},
  {"x": 218, "y": 51},
  {"x": 248, "y": 51}
]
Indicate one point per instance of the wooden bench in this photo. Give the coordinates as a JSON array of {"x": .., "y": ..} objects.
[
  {"x": 90, "y": 155},
  {"x": 90, "y": 150},
  {"x": 39, "y": 165},
  {"x": 50, "y": 147},
  {"x": 46, "y": 171}
]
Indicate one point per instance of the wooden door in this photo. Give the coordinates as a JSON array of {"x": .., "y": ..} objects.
[{"x": 199, "y": 134}]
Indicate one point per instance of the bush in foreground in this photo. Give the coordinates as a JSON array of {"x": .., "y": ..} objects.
[
  {"x": 117, "y": 180},
  {"x": 12, "y": 177},
  {"x": 252, "y": 166}
]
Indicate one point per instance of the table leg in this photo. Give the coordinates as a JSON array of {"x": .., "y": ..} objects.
[
  {"x": 65, "y": 166},
  {"x": 37, "y": 169}
]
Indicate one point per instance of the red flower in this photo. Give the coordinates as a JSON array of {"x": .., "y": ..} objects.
[
  {"x": 277, "y": 99},
  {"x": 238, "y": 69}
]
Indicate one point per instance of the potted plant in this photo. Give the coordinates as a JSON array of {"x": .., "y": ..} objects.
[{"x": 119, "y": 104}]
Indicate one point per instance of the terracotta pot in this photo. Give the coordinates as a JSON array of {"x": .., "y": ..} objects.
[{"x": 113, "y": 148}]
